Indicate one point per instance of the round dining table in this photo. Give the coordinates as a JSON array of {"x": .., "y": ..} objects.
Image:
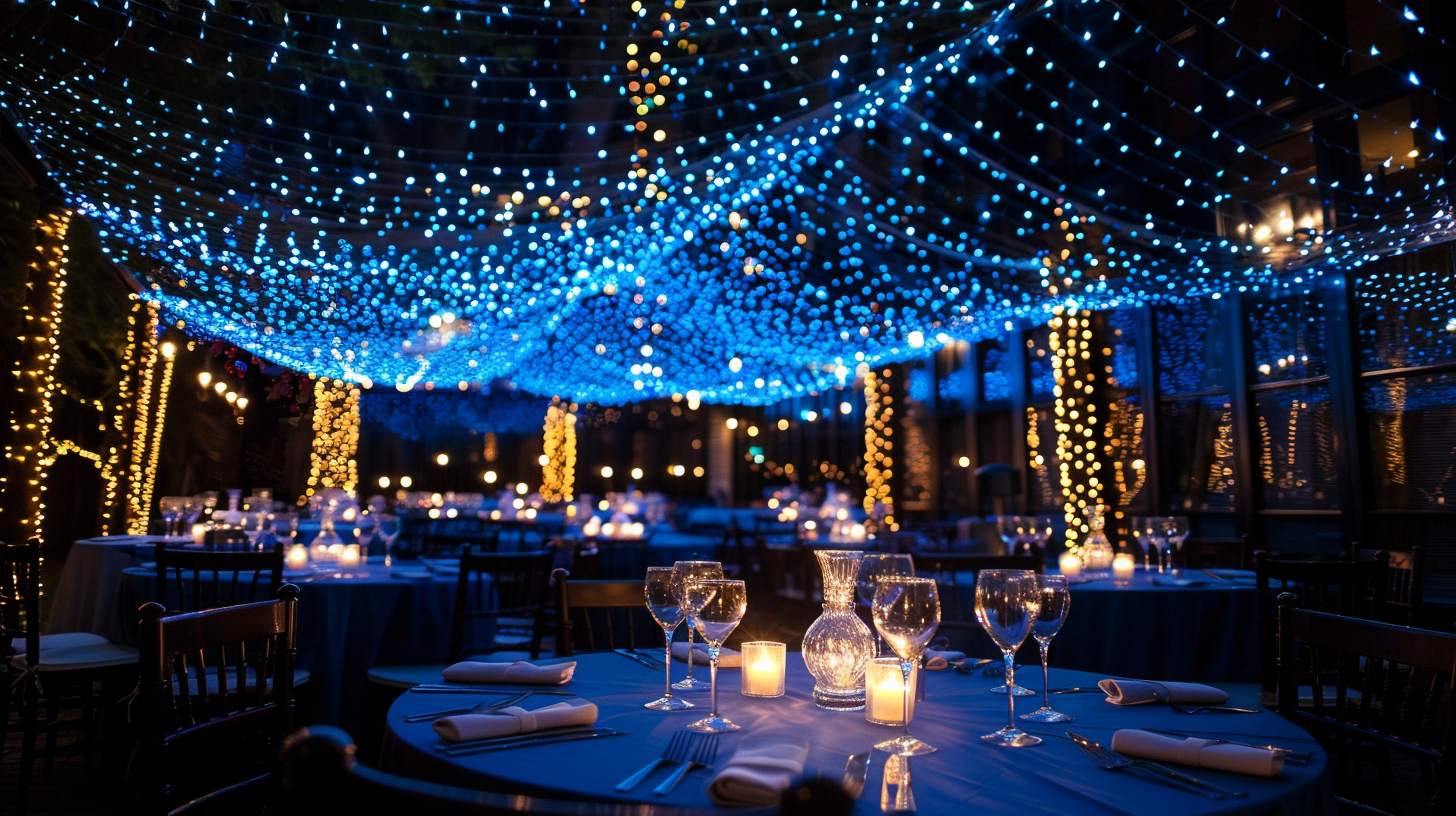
[{"x": 964, "y": 775}]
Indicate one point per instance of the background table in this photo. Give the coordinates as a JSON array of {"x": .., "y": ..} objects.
[
  {"x": 86, "y": 596},
  {"x": 1206, "y": 633},
  {"x": 1052, "y": 778}
]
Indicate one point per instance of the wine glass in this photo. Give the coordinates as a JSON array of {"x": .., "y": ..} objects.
[
  {"x": 1138, "y": 526},
  {"x": 720, "y": 605},
  {"x": 661, "y": 593},
  {"x": 1007, "y": 601},
  {"x": 874, "y": 567},
  {"x": 1042, "y": 528},
  {"x": 171, "y": 507},
  {"x": 687, "y": 571},
  {"x": 1176, "y": 529},
  {"x": 1153, "y": 530},
  {"x": 1011, "y": 529},
  {"x": 907, "y": 612},
  {"x": 1055, "y": 600}
]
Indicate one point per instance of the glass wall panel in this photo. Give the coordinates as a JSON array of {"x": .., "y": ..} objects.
[
  {"x": 1039, "y": 363},
  {"x": 1190, "y": 351},
  {"x": 1198, "y": 453},
  {"x": 995, "y": 368},
  {"x": 1407, "y": 311},
  {"x": 1287, "y": 338},
  {"x": 1295, "y": 442},
  {"x": 1413, "y": 441}
]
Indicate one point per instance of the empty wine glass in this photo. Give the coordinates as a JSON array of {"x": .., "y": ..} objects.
[
  {"x": 661, "y": 594},
  {"x": 907, "y": 612},
  {"x": 873, "y": 567},
  {"x": 1055, "y": 601},
  {"x": 1138, "y": 526},
  {"x": 1176, "y": 530},
  {"x": 171, "y": 507},
  {"x": 1042, "y": 528},
  {"x": 1007, "y": 601},
  {"x": 685, "y": 572},
  {"x": 1012, "y": 530},
  {"x": 720, "y": 606},
  {"x": 1157, "y": 540}
]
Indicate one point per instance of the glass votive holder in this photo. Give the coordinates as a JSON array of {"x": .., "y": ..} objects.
[
  {"x": 1071, "y": 565},
  {"x": 1122, "y": 569},
  {"x": 885, "y": 702},
  {"x": 763, "y": 669}
]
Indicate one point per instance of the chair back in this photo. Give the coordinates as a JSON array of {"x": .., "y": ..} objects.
[
  {"x": 216, "y": 695},
  {"x": 955, "y": 575},
  {"x": 1405, "y": 588},
  {"x": 1351, "y": 588},
  {"x": 450, "y": 542},
  {"x": 194, "y": 580},
  {"x": 20, "y": 600},
  {"x": 1226, "y": 553},
  {"x": 1375, "y": 687},
  {"x": 503, "y": 595},
  {"x": 599, "y": 615}
]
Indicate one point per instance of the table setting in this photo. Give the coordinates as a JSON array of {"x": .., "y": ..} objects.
[{"x": 931, "y": 740}]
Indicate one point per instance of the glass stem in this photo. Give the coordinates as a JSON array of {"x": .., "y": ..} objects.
[
  {"x": 905, "y": 667},
  {"x": 1010, "y": 685},
  {"x": 1045, "y": 686},
  {"x": 713, "y": 677},
  {"x": 667, "y": 658},
  {"x": 690, "y": 648}
]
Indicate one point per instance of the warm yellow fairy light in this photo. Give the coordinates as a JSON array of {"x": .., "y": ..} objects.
[
  {"x": 113, "y": 503},
  {"x": 558, "y": 461},
  {"x": 335, "y": 436},
  {"x": 1076, "y": 418},
  {"x": 147, "y": 350},
  {"x": 877, "y": 459},
  {"x": 154, "y": 452}
]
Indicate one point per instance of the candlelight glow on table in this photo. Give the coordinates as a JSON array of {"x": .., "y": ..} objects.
[
  {"x": 763, "y": 669},
  {"x": 885, "y": 700}
]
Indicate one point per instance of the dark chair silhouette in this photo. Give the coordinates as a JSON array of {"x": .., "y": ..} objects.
[
  {"x": 1406, "y": 588},
  {"x": 215, "y": 700},
  {"x": 194, "y": 580},
  {"x": 1351, "y": 588},
  {"x": 599, "y": 615},
  {"x": 1226, "y": 553},
  {"x": 454, "y": 542},
  {"x": 50, "y": 673},
  {"x": 1376, "y": 690}
]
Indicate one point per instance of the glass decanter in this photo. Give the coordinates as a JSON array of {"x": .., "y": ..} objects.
[
  {"x": 838, "y": 646},
  {"x": 326, "y": 546},
  {"x": 1096, "y": 549}
]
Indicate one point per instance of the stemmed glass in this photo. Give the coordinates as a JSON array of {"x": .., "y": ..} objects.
[
  {"x": 907, "y": 612},
  {"x": 171, "y": 513},
  {"x": 661, "y": 593},
  {"x": 1042, "y": 528},
  {"x": 686, "y": 572},
  {"x": 1007, "y": 601},
  {"x": 1138, "y": 525},
  {"x": 1012, "y": 530},
  {"x": 720, "y": 605},
  {"x": 874, "y": 567},
  {"x": 1175, "y": 531},
  {"x": 1157, "y": 540},
  {"x": 1055, "y": 601}
]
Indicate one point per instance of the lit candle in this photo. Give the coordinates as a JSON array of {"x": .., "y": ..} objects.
[
  {"x": 349, "y": 557},
  {"x": 763, "y": 669},
  {"x": 1071, "y": 564},
  {"x": 199, "y": 534},
  {"x": 1122, "y": 567},
  {"x": 885, "y": 692},
  {"x": 297, "y": 557}
]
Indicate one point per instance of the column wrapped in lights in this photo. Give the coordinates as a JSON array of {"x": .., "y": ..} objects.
[
  {"x": 29, "y": 447},
  {"x": 143, "y": 494},
  {"x": 113, "y": 502},
  {"x": 558, "y": 461},
  {"x": 335, "y": 436},
  {"x": 1076, "y": 417},
  {"x": 146, "y": 355},
  {"x": 878, "y": 462}
]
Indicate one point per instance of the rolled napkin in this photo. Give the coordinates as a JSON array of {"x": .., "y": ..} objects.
[
  {"x": 939, "y": 660},
  {"x": 516, "y": 720},
  {"x": 517, "y": 672},
  {"x": 1137, "y": 692},
  {"x": 727, "y": 658},
  {"x": 1201, "y": 753},
  {"x": 759, "y": 771}
]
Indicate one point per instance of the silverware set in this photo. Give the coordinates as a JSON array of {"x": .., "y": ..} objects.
[
  {"x": 547, "y": 737},
  {"x": 639, "y": 655},
  {"x": 1290, "y": 757},
  {"x": 1110, "y": 760},
  {"x": 687, "y": 750},
  {"x": 483, "y": 707}
]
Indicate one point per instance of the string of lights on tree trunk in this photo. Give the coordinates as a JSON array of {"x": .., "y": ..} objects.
[{"x": 146, "y": 354}]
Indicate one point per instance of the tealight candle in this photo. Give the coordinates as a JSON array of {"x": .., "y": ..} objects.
[
  {"x": 763, "y": 669},
  {"x": 199, "y": 534},
  {"x": 1071, "y": 564},
  {"x": 1122, "y": 567},
  {"x": 349, "y": 556},
  {"x": 297, "y": 557},
  {"x": 885, "y": 692}
]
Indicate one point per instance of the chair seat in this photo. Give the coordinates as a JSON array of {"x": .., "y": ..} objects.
[
  {"x": 74, "y": 658},
  {"x": 61, "y": 641},
  {"x": 409, "y": 676}
]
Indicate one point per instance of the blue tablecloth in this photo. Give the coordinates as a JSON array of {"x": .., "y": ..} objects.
[
  {"x": 1207, "y": 633},
  {"x": 1052, "y": 778},
  {"x": 86, "y": 598},
  {"x": 348, "y": 623}
]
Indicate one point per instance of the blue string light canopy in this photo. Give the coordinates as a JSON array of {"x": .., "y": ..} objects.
[{"x": 736, "y": 201}]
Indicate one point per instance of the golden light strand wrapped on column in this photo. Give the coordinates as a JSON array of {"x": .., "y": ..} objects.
[
  {"x": 879, "y": 464},
  {"x": 332, "y": 462},
  {"x": 558, "y": 460}
]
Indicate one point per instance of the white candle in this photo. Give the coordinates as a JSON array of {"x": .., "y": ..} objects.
[
  {"x": 1122, "y": 567},
  {"x": 349, "y": 556},
  {"x": 1071, "y": 564},
  {"x": 763, "y": 669},
  {"x": 297, "y": 557},
  {"x": 199, "y": 534},
  {"x": 885, "y": 692}
]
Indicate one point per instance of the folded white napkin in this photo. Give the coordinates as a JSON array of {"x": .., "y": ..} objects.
[
  {"x": 759, "y": 771},
  {"x": 516, "y": 720},
  {"x": 727, "y": 658},
  {"x": 1137, "y": 692},
  {"x": 517, "y": 672},
  {"x": 1201, "y": 753},
  {"x": 937, "y": 660}
]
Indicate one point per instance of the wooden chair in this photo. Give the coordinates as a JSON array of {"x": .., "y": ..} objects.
[
  {"x": 50, "y": 673},
  {"x": 599, "y": 615},
  {"x": 1377, "y": 690},
  {"x": 193, "y": 580},
  {"x": 1351, "y": 588},
  {"x": 1405, "y": 590},
  {"x": 215, "y": 700},
  {"x": 454, "y": 542},
  {"x": 1227, "y": 553}
]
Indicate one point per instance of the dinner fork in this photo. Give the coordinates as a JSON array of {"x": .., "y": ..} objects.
[
  {"x": 1224, "y": 709},
  {"x": 1111, "y": 760},
  {"x": 676, "y": 752},
  {"x": 482, "y": 707},
  {"x": 703, "y": 752}
]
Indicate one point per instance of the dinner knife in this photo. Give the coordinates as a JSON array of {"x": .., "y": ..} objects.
[
  {"x": 630, "y": 655},
  {"x": 501, "y": 744}
]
